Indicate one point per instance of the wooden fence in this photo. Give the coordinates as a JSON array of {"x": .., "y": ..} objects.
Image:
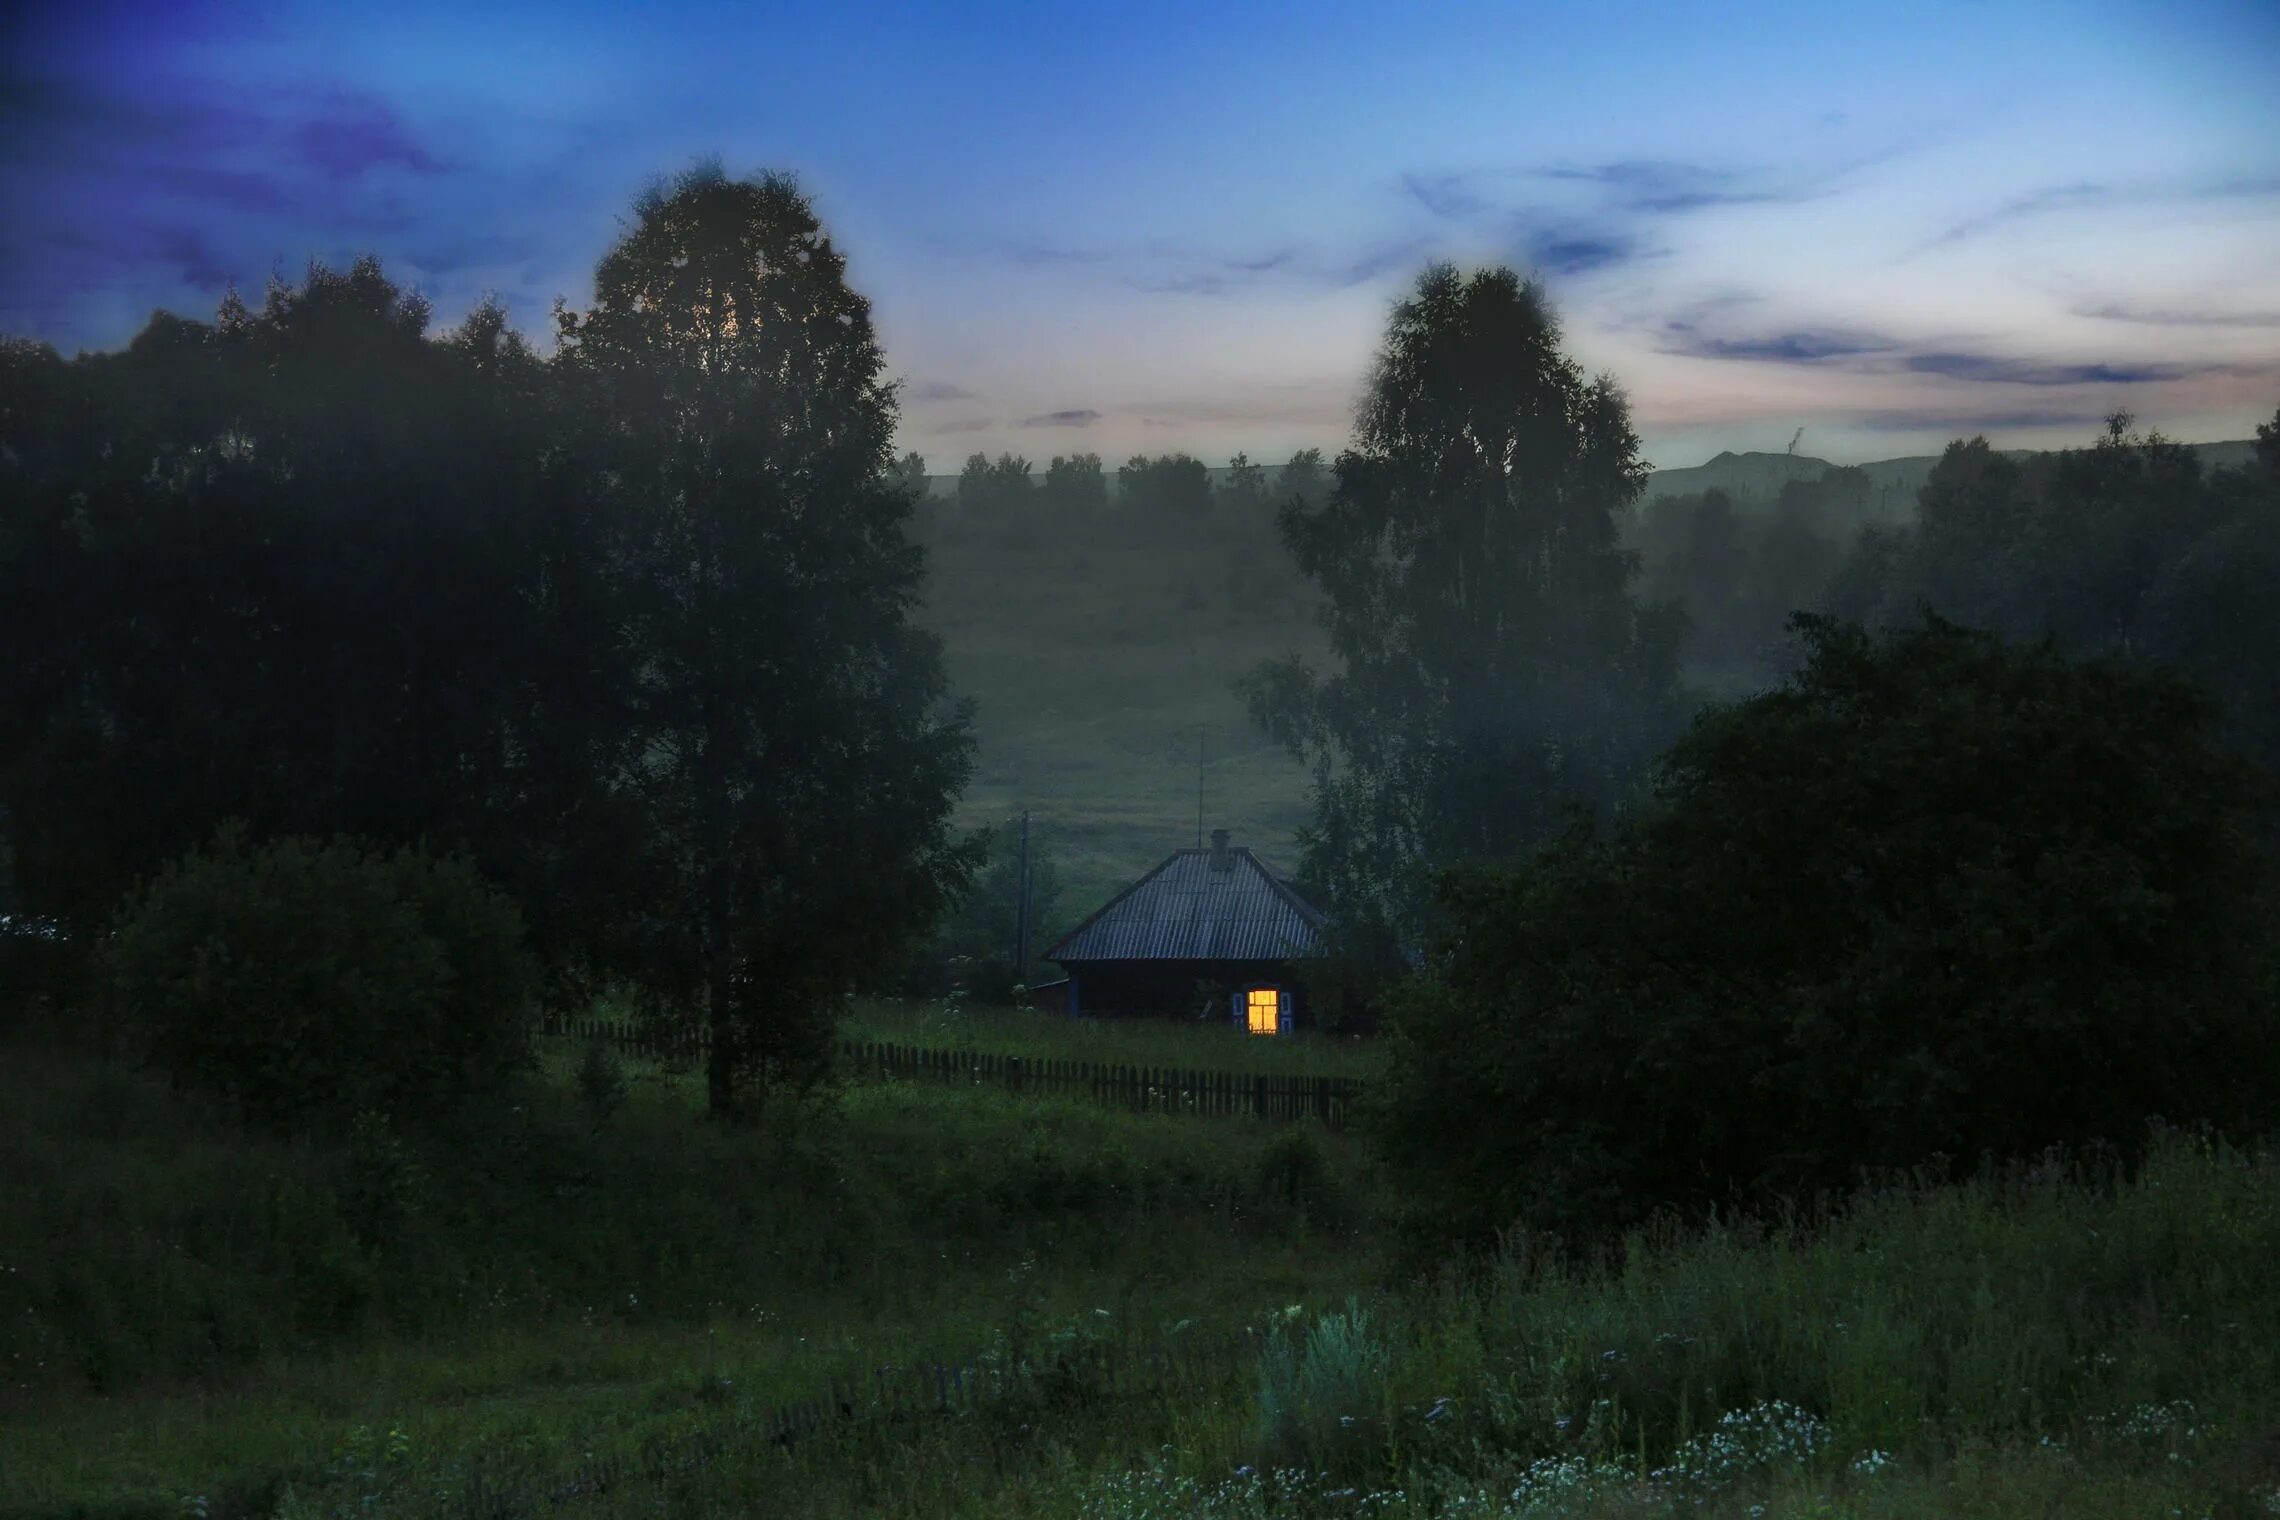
[{"x": 1140, "y": 1089}]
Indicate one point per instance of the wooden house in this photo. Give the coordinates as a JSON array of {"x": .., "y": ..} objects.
[{"x": 1206, "y": 924}]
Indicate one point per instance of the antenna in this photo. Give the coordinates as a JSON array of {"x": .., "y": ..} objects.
[{"x": 1200, "y": 730}]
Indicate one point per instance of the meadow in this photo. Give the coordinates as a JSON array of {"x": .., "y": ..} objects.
[
  {"x": 565, "y": 1307},
  {"x": 1100, "y": 656}
]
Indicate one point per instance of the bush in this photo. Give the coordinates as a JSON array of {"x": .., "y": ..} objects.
[
  {"x": 307, "y": 983},
  {"x": 1322, "y": 1394},
  {"x": 1938, "y": 898}
]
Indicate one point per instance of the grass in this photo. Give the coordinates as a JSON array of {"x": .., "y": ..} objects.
[
  {"x": 601, "y": 1323},
  {"x": 190, "y": 1310},
  {"x": 1187, "y": 1046}
]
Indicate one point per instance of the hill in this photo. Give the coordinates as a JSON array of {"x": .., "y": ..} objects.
[{"x": 1101, "y": 653}]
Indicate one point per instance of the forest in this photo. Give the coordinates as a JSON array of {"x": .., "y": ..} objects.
[{"x": 1810, "y": 969}]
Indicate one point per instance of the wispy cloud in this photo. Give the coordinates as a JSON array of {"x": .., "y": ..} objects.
[
  {"x": 1665, "y": 188},
  {"x": 1999, "y": 370},
  {"x": 939, "y": 390},
  {"x": 1449, "y": 196},
  {"x": 2095, "y": 194},
  {"x": 974, "y": 425},
  {"x": 2116, "y": 311},
  {"x": 1959, "y": 421},
  {"x": 1800, "y": 347},
  {"x": 1580, "y": 253},
  {"x": 1084, "y": 417}
]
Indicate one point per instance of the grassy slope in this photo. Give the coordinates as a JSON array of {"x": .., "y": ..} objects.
[
  {"x": 186, "y": 1309},
  {"x": 2029, "y": 1347},
  {"x": 1094, "y": 659},
  {"x": 1095, "y": 653}
]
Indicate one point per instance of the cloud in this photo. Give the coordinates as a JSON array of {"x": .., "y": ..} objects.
[
  {"x": 2000, "y": 371},
  {"x": 1804, "y": 346},
  {"x": 1579, "y": 253},
  {"x": 2156, "y": 317},
  {"x": 975, "y": 426},
  {"x": 2091, "y": 194},
  {"x": 1958, "y": 422},
  {"x": 350, "y": 134},
  {"x": 1082, "y": 418},
  {"x": 939, "y": 390},
  {"x": 1445, "y": 195},
  {"x": 1661, "y": 187}
]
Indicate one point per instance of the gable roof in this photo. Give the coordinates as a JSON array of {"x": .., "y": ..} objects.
[{"x": 1186, "y": 911}]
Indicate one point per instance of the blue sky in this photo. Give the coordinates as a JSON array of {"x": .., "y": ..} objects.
[{"x": 1140, "y": 229}]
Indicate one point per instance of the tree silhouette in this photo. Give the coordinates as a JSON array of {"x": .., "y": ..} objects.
[
  {"x": 1493, "y": 662},
  {"x": 797, "y": 748}
]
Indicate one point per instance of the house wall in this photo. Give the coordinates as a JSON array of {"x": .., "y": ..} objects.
[{"x": 1174, "y": 989}]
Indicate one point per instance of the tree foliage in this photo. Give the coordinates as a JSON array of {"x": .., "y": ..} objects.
[
  {"x": 1937, "y": 896},
  {"x": 1167, "y": 485},
  {"x": 303, "y": 567},
  {"x": 2127, "y": 545},
  {"x": 795, "y": 746},
  {"x": 309, "y": 983},
  {"x": 1493, "y": 662}
]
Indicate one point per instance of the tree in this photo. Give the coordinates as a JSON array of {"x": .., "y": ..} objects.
[
  {"x": 1937, "y": 896},
  {"x": 1170, "y": 484},
  {"x": 1494, "y": 663},
  {"x": 1304, "y": 478},
  {"x": 309, "y": 568},
  {"x": 1246, "y": 486},
  {"x": 798, "y": 751},
  {"x": 910, "y": 474},
  {"x": 2125, "y": 545},
  {"x": 1000, "y": 488},
  {"x": 1075, "y": 484}
]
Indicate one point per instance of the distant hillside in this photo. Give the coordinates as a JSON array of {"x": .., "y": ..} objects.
[
  {"x": 1757, "y": 478},
  {"x": 1103, "y": 657}
]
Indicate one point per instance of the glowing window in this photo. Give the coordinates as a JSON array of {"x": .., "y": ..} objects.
[{"x": 1264, "y": 1008}]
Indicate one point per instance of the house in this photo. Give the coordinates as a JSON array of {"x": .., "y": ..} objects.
[{"x": 1206, "y": 923}]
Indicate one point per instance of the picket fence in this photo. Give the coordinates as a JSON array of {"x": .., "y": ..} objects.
[
  {"x": 1140, "y": 1089},
  {"x": 1012, "y": 1383}
]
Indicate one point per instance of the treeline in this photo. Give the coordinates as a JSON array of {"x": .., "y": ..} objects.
[
  {"x": 2128, "y": 545},
  {"x": 1981, "y": 868},
  {"x": 1009, "y": 498},
  {"x": 626, "y": 629}
]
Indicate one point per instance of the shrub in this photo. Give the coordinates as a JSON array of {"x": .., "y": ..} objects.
[
  {"x": 1322, "y": 1393},
  {"x": 601, "y": 1082},
  {"x": 306, "y": 983},
  {"x": 1293, "y": 1170},
  {"x": 1938, "y": 897}
]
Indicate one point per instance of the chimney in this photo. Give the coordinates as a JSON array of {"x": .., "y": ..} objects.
[{"x": 1222, "y": 859}]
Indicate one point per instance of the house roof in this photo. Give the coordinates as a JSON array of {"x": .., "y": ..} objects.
[{"x": 1186, "y": 911}]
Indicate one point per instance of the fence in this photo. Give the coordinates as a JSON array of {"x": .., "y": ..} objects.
[{"x": 1140, "y": 1089}]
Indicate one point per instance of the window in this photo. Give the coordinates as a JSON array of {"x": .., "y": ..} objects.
[{"x": 1263, "y": 1005}]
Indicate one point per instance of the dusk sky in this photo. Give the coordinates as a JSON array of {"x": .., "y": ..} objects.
[{"x": 1180, "y": 227}]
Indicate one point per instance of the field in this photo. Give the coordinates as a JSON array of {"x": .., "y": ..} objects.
[
  {"x": 542, "y": 1315},
  {"x": 1099, "y": 660}
]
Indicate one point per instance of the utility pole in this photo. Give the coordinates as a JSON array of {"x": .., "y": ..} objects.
[{"x": 1021, "y": 909}]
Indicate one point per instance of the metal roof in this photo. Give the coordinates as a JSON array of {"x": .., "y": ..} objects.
[{"x": 1186, "y": 911}]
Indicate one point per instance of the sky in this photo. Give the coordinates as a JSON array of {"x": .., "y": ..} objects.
[{"x": 1138, "y": 229}]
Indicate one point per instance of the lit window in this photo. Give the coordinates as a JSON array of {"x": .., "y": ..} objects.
[{"x": 1264, "y": 1006}]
